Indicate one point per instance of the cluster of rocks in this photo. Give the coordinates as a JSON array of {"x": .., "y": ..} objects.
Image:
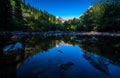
[
  {"x": 10, "y": 43},
  {"x": 71, "y": 33}
]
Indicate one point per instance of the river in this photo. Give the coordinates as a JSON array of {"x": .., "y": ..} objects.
[{"x": 65, "y": 57}]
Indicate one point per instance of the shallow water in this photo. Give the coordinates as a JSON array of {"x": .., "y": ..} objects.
[{"x": 66, "y": 57}]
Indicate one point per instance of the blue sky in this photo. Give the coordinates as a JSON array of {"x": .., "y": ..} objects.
[{"x": 63, "y": 8}]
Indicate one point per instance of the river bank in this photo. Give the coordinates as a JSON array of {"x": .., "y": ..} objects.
[
  {"x": 8, "y": 37},
  {"x": 14, "y": 38},
  {"x": 59, "y": 33}
]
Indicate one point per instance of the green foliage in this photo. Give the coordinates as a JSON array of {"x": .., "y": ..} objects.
[
  {"x": 71, "y": 25},
  {"x": 17, "y": 15},
  {"x": 104, "y": 15},
  {"x": 38, "y": 20}
]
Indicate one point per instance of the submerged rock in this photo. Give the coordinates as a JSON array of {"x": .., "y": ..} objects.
[
  {"x": 60, "y": 51},
  {"x": 13, "y": 49},
  {"x": 66, "y": 66},
  {"x": 98, "y": 62}
]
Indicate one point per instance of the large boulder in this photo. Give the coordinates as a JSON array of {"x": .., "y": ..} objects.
[{"x": 15, "y": 48}]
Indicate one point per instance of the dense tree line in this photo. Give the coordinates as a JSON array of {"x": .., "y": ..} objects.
[
  {"x": 5, "y": 14},
  {"x": 104, "y": 15},
  {"x": 17, "y": 15},
  {"x": 39, "y": 20},
  {"x": 10, "y": 15}
]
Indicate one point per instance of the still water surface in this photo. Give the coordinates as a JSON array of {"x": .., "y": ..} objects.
[{"x": 66, "y": 57}]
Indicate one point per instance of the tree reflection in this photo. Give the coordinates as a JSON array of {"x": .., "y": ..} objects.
[
  {"x": 97, "y": 50},
  {"x": 97, "y": 61},
  {"x": 37, "y": 44},
  {"x": 9, "y": 65},
  {"x": 108, "y": 47}
]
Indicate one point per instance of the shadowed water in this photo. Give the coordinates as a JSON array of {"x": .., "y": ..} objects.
[{"x": 65, "y": 57}]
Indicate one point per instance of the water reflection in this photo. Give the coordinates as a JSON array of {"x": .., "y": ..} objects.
[
  {"x": 68, "y": 57},
  {"x": 98, "y": 62},
  {"x": 9, "y": 65},
  {"x": 108, "y": 47}
]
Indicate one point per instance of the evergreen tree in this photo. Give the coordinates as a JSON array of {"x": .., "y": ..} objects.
[
  {"x": 18, "y": 12},
  {"x": 5, "y": 15}
]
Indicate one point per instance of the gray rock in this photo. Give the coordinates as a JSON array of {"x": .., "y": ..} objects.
[{"x": 13, "y": 49}]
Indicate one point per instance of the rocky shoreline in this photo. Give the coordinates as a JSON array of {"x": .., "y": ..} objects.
[
  {"x": 58, "y": 33},
  {"x": 10, "y": 37},
  {"x": 10, "y": 41}
]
